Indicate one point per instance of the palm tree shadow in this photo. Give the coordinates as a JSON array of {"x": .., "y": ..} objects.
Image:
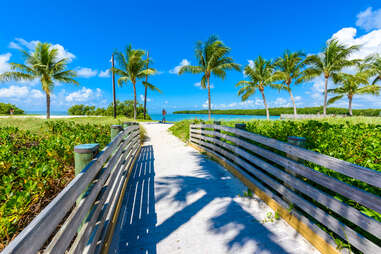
[
  {"x": 217, "y": 186},
  {"x": 208, "y": 185}
]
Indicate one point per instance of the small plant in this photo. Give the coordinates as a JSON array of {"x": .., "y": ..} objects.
[{"x": 271, "y": 217}]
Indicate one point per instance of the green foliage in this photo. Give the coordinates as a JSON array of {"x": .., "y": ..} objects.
[
  {"x": 181, "y": 129},
  {"x": 279, "y": 111},
  {"x": 34, "y": 168},
  {"x": 5, "y": 109},
  {"x": 125, "y": 108}
]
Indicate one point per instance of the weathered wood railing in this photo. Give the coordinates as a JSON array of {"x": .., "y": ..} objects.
[
  {"x": 75, "y": 224},
  {"x": 280, "y": 181}
]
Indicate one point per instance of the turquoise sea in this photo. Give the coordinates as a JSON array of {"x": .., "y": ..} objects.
[
  {"x": 176, "y": 117},
  {"x": 179, "y": 117}
]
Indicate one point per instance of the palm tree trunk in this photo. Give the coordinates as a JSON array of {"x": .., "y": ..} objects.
[
  {"x": 293, "y": 101},
  {"x": 209, "y": 104},
  {"x": 325, "y": 97},
  {"x": 47, "y": 105},
  {"x": 265, "y": 103},
  {"x": 145, "y": 91},
  {"x": 350, "y": 97},
  {"x": 145, "y": 100},
  {"x": 134, "y": 100}
]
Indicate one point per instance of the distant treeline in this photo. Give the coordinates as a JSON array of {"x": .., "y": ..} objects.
[
  {"x": 125, "y": 108},
  {"x": 5, "y": 109},
  {"x": 279, "y": 111}
]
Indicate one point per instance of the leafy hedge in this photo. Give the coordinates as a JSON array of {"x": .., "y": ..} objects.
[
  {"x": 125, "y": 108},
  {"x": 279, "y": 111},
  {"x": 5, "y": 109},
  {"x": 34, "y": 168}
]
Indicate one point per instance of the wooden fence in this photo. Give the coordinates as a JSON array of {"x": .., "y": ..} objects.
[
  {"x": 75, "y": 224},
  {"x": 303, "y": 196}
]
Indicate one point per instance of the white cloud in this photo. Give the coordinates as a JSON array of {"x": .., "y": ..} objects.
[
  {"x": 176, "y": 70},
  {"x": 20, "y": 92},
  {"x": 20, "y": 43},
  {"x": 251, "y": 63},
  {"x": 104, "y": 74},
  {"x": 4, "y": 65},
  {"x": 369, "y": 19},
  {"x": 83, "y": 95},
  {"x": 142, "y": 98},
  {"x": 370, "y": 43},
  {"x": 86, "y": 72},
  {"x": 281, "y": 102}
]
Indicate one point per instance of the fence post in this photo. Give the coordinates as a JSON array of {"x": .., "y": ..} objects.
[
  {"x": 83, "y": 154},
  {"x": 296, "y": 141},
  {"x": 115, "y": 129}
]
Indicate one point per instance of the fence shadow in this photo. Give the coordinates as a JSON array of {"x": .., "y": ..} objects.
[{"x": 137, "y": 218}]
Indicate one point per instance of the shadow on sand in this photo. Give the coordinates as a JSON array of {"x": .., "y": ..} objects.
[{"x": 137, "y": 231}]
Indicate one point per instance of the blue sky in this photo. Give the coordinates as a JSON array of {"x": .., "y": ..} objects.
[{"x": 89, "y": 31}]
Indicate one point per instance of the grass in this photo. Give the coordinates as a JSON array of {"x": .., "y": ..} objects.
[{"x": 37, "y": 126}]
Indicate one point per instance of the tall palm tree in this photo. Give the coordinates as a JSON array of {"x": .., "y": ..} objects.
[
  {"x": 352, "y": 84},
  {"x": 212, "y": 57},
  {"x": 148, "y": 85},
  {"x": 289, "y": 69},
  {"x": 131, "y": 67},
  {"x": 333, "y": 59},
  {"x": 43, "y": 64},
  {"x": 260, "y": 75}
]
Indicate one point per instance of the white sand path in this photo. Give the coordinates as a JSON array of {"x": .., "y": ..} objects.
[{"x": 179, "y": 201}]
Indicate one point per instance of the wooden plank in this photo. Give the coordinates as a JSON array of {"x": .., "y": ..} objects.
[
  {"x": 366, "y": 175},
  {"x": 66, "y": 233},
  {"x": 332, "y": 223},
  {"x": 110, "y": 205},
  {"x": 312, "y": 233},
  {"x": 69, "y": 229},
  {"x": 365, "y": 198},
  {"x": 32, "y": 238},
  {"x": 84, "y": 234},
  {"x": 109, "y": 235},
  {"x": 355, "y": 216}
]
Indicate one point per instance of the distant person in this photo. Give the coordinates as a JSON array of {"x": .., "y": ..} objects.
[
  {"x": 163, "y": 113},
  {"x": 11, "y": 111}
]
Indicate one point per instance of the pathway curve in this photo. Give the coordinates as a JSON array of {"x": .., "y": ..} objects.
[{"x": 179, "y": 201}]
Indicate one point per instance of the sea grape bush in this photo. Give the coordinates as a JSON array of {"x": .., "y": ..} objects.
[{"x": 34, "y": 168}]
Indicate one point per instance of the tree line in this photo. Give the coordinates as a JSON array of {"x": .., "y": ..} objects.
[
  {"x": 285, "y": 110},
  {"x": 125, "y": 108},
  {"x": 352, "y": 76}
]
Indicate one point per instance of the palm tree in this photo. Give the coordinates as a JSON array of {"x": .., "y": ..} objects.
[
  {"x": 42, "y": 64},
  {"x": 146, "y": 86},
  {"x": 373, "y": 64},
  {"x": 332, "y": 60},
  {"x": 352, "y": 84},
  {"x": 212, "y": 59},
  {"x": 260, "y": 75},
  {"x": 289, "y": 68},
  {"x": 131, "y": 68}
]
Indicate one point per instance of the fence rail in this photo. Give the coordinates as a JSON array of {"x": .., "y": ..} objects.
[
  {"x": 260, "y": 162},
  {"x": 79, "y": 223}
]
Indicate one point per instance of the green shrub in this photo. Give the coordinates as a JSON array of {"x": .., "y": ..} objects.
[
  {"x": 5, "y": 109},
  {"x": 34, "y": 168},
  {"x": 279, "y": 111},
  {"x": 125, "y": 108}
]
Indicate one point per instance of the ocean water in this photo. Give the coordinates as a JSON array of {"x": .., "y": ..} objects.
[
  {"x": 175, "y": 117},
  {"x": 179, "y": 117}
]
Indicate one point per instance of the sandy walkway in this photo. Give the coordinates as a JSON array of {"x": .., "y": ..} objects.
[{"x": 178, "y": 201}]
